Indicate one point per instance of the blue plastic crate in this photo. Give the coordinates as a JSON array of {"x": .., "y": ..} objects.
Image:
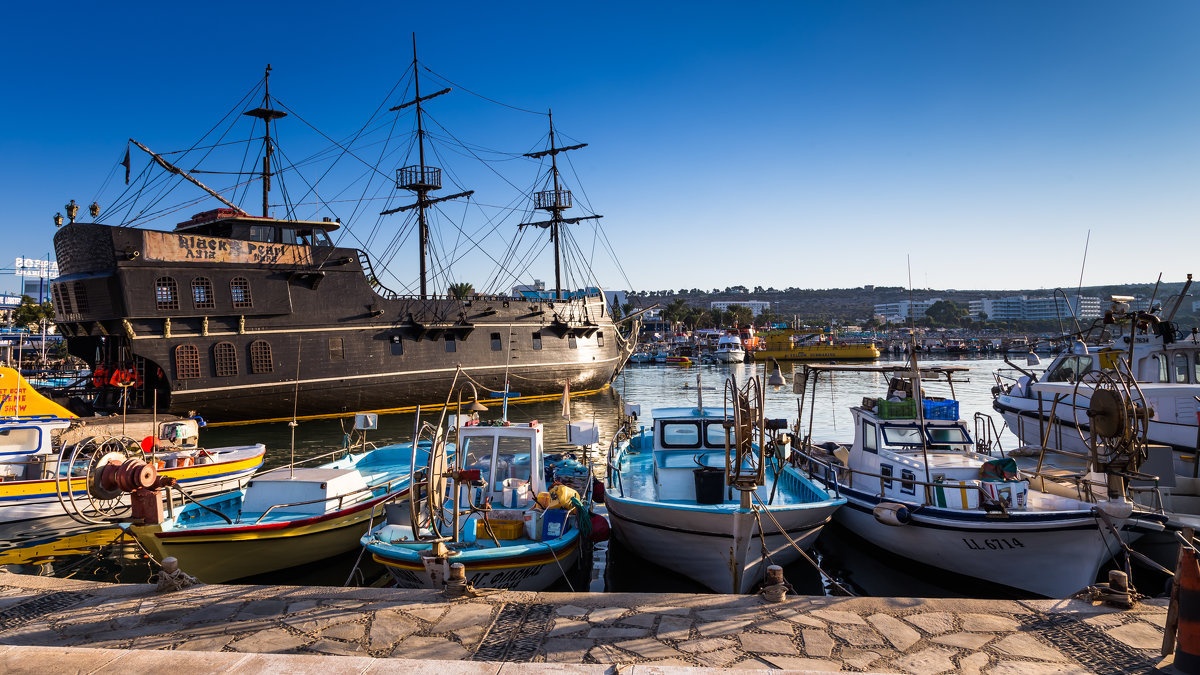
[{"x": 941, "y": 410}]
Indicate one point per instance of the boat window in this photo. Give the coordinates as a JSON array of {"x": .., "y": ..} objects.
[
  {"x": 336, "y": 352},
  {"x": 239, "y": 288},
  {"x": 320, "y": 238},
  {"x": 1070, "y": 368},
  {"x": 262, "y": 233},
  {"x": 260, "y": 357},
  {"x": 451, "y": 345},
  {"x": 943, "y": 437},
  {"x": 19, "y": 441},
  {"x": 908, "y": 482},
  {"x": 496, "y": 345},
  {"x": 81, "y": 300},
  {"x": 908, "y": 435},
  {"x": 870, "y": 437},
  {"x": 1181, "y": 367},
  {"x": 166, "y": 293},
  {"x": 58, "y": 292},
  {"x": 202, "y": 293},
  {"x": 513, "y": 455},
  {"x": 537, "y": 340},
  {"x": 477, "y": 454},
  {"x": 600, "y": 339},
  {"x": 885, "y": 470},
  {"x": 187, "y": 362},
  {"x": 1161, "y": 361},
  {"x": 572, "y": 342},
  {"x": 225, "y": 359},
  {"x": 287, "y": 235},
  {"x": 679, "y": 435},
  {"x": 714, "y": 435}
]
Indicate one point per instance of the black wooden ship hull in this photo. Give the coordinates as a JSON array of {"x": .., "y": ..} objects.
[{"x": 235, "y": 329}]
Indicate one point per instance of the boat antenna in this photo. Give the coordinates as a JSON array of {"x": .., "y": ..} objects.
[
  {"x": 420, "y": 178},
  {"x": 1083, "y": 265},
  {"x": 555, "y": 202},
  {"x": 1150, "y": 307},
  {"x": 699, "y": 393},
  {"x": 267, "y": 115},
  {"x": 293, "y": 424},
  {"x": 180, "y": 172}
]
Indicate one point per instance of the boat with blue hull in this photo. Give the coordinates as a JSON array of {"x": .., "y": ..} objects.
[
  {"x": 704, "y": 492},
  {"x": 488, "y": 517}
]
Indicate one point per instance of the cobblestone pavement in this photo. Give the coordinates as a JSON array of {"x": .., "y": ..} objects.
[{"x": 716, "y": 631}]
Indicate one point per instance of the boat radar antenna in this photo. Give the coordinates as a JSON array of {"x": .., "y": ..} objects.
[
  {"x": 267, "y": 115},
  {"x": 555, "y": 202},
  {"x": 420, "y": 178}
]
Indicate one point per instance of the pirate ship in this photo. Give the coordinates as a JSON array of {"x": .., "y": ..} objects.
[{"x": 251, "y": 317}]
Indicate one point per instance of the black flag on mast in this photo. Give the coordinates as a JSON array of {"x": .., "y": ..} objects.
[{"x": 125, "y": 163}]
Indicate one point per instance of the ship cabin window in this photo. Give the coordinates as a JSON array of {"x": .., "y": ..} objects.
[
  {"x": 945, "y": 438},
  {"x": 260, "y": 357},
  {"x": 202, "y": 293},
  {"x": 81, "y": 299},
  {"x": 908, "y": 482},
  {"x": 496, "y": 344},
  {"x": 187, "y": 362},
  {"x": 572, "y": 342},
  {"x": 57, "y": 293},
  {"x": 537, "y": 340},
  {"x": 477, "y": 454},
  {"x": 885, "y": 470},
  {"x": 336, "y": 352},
  {"x": 287, "y": 235},
  {"x": 265, "y": 233},
  {"x": 714, "y": 434},
  {"x": 166, "y": 293},
  {"x": 600, "y": 339},
  {"x": 679, "y": 435},
  {"x": 225, "y": 359},
  {"x": 20, "y": 441},
  {"x": 1070, "y": 369},
  {"x": 451, "y": 345},
  {"x": 513, "y": 455},
  {"x": 1160, "y": 360},
  {"x": 870, "y": 438},
  {"x": 239, "y": 288},
  {"x": 1181, "y": 367}
]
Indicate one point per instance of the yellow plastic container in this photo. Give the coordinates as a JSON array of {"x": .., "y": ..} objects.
[{"x": 504, "y": 529}]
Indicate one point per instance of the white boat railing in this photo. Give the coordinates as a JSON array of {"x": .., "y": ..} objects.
[{"x": 387, "y": 489}]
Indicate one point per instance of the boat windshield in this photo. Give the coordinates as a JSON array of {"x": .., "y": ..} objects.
[
  {"x": 905, "y": 435},
  {"x": 686, "y": 434},
  {"x": 1070, "y": 368},
  {"x": 937, "y": 437}
]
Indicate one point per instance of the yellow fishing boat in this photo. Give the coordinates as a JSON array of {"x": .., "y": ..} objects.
[{"x": 811, "y": 345}]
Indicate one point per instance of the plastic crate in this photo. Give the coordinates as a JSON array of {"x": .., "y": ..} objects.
[
  {"x": 504, "y": 529},
  {"x": 941, "y": 410},
  {"x": 896, "y": 410}
]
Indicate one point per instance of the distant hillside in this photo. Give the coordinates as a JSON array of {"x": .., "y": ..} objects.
[{"x": 857, "y": 304}]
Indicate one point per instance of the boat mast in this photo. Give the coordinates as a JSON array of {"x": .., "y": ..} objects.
[
  {"x": 267, "y": 115},
  {"x": 555, "y": 202},
  {"x": 180, "y": 172},
  {"x": 420, "y": 178}
]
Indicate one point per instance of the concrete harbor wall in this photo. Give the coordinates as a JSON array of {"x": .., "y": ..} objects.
[{"x": 64, "y": 625}]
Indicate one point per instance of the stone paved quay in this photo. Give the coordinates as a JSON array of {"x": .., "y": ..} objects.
[{"x": 56, "y": 625}]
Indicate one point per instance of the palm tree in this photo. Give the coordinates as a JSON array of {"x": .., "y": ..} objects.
[{"x": 461, "y": 290}]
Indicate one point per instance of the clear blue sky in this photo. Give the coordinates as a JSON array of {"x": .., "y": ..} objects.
[{"x": 807, "y": 144}]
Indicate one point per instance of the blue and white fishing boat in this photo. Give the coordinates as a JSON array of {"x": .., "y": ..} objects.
[
  {"x": 917, "y": 487},
  {"x": 703, "y": 492},
  {"x": 496, "y": 516}
]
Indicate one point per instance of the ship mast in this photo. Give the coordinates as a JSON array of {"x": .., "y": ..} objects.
[
  {"x": 554, "y": 202},
  {"x": 267, "y": 115},
  {"x": 420, "y": 178}
]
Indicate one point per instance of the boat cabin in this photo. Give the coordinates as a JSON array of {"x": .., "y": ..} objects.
[
  {"x": 899, "y": 447},
  {"x": 507, "y": 457},
  {"x": 27, "y": 446},
  {"x": 230, "y": 224},
  {"x": 686, "y": 439}
]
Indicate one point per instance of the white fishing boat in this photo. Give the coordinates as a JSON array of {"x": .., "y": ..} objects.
[
  {"x": 705, "y": 493},
  {"x": 1163, "y": 361},
  {"x": 730, "y": 350},
  {"x": 916, "y": 486}
]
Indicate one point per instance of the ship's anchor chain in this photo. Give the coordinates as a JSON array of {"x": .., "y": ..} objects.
[{"x": 85, "y": 496}]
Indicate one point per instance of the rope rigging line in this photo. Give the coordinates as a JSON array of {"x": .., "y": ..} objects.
[{"x": 473, "y": 93}]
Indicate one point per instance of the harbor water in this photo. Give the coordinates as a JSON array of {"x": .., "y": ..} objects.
[{"x": 64, "y": 549}]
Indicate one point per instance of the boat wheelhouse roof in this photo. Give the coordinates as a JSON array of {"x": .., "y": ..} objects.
[
  {"x": 201, "y": 222},
  {"x": 687, "y": 413}
]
